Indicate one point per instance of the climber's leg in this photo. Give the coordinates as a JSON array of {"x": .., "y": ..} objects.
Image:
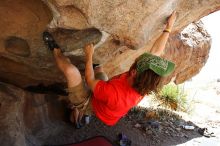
[
  {"x": 76, "y": 89},
  {"x": 87, "y": 109},
  {"x": 74, "y": 81},
  {"x": 71, "y": 73}
]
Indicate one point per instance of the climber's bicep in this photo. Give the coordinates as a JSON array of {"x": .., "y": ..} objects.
[{"x": 92, "y": 84}]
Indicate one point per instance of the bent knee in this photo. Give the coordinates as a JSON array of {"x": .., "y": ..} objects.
[
  {"x": 72, "y": 73},
  {"x": 70, "y": 70}
]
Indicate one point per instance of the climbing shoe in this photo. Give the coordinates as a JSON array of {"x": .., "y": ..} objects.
[
  {"x": 78, "y": 125},
  {"x": 49, "y": 41},
  {"x": 123, "y": 140},
  {"x": 95, "y": 65},
  {"x": 205, "y": 132}
]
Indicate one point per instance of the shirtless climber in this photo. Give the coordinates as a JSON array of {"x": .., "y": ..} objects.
[{"x": 109, "y": 100}]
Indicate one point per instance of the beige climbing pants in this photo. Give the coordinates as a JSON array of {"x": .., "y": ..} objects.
[{"x": 80, "y": 95}]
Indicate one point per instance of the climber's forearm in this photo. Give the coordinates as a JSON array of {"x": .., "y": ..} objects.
[
  {"x": 89, "y": 73},
  {"x": 160, "y": 44}
]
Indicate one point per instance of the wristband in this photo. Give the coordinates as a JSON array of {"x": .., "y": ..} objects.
[{"x": 167, "y": 30}]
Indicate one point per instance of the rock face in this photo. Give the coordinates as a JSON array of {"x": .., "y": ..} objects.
[
  {"x": 189, "y": 50},
  {"x": 11, "y": 124},
  {"x": 136, "y": 22},
  {"x": 125, "y": 25},
  {"x": 128, "y": 29},
  {"x": 22, "y": 53},
  {"x": 191, "y": 53},
  {"x": 27, "y": 118}
]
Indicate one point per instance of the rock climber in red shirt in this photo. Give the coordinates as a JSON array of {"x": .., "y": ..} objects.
[{"x": 109, "y": 100}]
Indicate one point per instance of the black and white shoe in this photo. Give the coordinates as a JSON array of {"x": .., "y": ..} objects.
[
  {"x": 95, "y": 65},
  {"x": 49, "y": 41}
]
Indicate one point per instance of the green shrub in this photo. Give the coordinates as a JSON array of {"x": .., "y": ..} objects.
[{"x": 172, "y": 96}]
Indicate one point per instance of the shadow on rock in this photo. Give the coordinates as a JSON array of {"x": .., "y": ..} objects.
[{"x": 43, "y": 119}]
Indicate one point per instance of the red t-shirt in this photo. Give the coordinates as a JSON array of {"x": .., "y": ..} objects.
[{"x": 113, "y": 99}]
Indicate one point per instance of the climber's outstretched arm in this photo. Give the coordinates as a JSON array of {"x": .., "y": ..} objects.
[
  {"x": 89, "y": 72},
  {"x": 160, "y": 43}
]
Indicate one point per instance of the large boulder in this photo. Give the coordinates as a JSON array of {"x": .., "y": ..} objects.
[
  {"x": 134, "y": 22},
  {"x": 11, "y": 124},
  {"x": 125, "y": 25},
  {"x": 189, "y": 50},
  {"x": 23, "y": 60},
  {"x": 128, "y": 29},
  {"x": 27, "y": 118}
]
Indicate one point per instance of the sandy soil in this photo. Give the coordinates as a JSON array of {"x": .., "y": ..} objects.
[
  {"x": 134, "y": 126},
  {"x": 141, "y": 129}
]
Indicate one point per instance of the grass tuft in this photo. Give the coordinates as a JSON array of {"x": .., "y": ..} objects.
[{"x": 172, "y": 96}]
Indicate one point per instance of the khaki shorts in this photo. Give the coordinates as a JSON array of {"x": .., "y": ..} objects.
[{"x": 80, "y": 95}]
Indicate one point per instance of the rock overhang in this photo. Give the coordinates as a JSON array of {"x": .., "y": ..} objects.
[{"x": 128, "y": 25}]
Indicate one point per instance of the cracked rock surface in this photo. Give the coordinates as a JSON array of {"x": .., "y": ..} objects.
[{"x": 128, "y": 29}]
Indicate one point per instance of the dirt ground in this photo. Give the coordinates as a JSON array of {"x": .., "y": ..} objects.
[
  {"x": 140, "y": 131},
  {"x": 164, "y": 129}
]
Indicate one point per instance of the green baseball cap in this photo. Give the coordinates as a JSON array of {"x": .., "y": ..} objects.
[{"x": 160, "y": 66}]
